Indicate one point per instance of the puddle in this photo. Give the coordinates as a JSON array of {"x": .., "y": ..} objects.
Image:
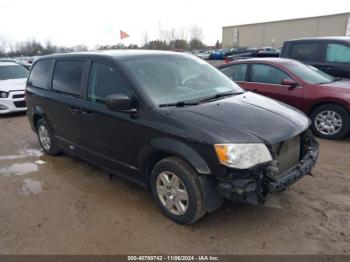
[
  {"x": 19, "y": 169},
  {"x": 30, "y": 188},
  {"x": 23, "y": 154}
]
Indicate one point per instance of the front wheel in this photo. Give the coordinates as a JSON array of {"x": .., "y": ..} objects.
[
  {"x": 177, "y": 190},
  {"x": 330, "y": 121}
]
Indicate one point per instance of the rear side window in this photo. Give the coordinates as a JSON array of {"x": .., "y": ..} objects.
[
  {"x": 105, "y": 80},
  {"x": 39, "y": 75},
  {"x": 267, "y": 74},
  {"x": 305, "y": 51},
  {"x": 67, "y": 76},
  {"x": 338, "y": 53},
  {"x": 236, "y": 72}
]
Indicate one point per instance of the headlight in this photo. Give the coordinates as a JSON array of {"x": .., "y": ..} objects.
[
  {"x": 4, "y": 94},
  {"x": 242, "y": 156}
]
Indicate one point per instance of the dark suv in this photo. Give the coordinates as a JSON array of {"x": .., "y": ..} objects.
[
  {"x": 329, "y": 54},
  {"x": 169, "y": 121}
]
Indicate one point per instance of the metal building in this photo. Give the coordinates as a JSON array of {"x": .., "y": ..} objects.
[{"x": 275, "y": 33}]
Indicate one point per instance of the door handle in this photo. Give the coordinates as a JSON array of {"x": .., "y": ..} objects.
[
  {"x": 73, "y": 109},
  {"x": 87, "y": 114}
]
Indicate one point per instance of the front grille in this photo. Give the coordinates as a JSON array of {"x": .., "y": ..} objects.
[
  {"x": 18, "y": 96},
  {"x": 287, "y": 153},
  {"x": 20, "y": 104}
]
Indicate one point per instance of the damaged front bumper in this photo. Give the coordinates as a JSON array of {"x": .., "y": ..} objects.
[{"x": 252, "y": 186}]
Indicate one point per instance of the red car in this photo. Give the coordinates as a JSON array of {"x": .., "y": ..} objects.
[{"x": 325, "y": 99}]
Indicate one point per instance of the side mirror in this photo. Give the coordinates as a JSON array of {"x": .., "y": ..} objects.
[
  {"x": 290, "y": 83},
  {"x": 120, "y": 103}
]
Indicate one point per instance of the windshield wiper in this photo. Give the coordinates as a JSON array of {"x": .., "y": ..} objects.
[
  {"x": 203, "y": 100},
  {"x": 218, "y": 96},
  {"x": 180, "y": 103},
  {"x": 323, "y": 83}
]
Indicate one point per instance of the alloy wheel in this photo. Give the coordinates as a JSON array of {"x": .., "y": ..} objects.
[
  {"x": 328, "y": 122},
  {"x": 44, "y": 137},
  {"x": 172, "y": 193}
]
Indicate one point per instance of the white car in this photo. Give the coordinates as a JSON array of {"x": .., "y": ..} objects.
[
  {"x": 204, "y": 55},
  {"x": 13, "y": 79}
]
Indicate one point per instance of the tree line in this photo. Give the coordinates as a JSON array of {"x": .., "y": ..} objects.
[
  {"x": 169, "y": 39},
  {"x": 33, "y": 47}
]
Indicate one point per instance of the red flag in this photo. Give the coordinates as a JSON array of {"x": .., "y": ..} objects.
[{"x": 123, "y": 35}]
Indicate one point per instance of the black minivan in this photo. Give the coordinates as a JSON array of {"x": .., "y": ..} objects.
[
  {"x": 169, "y": 121},
  {"x": 329, "y": 54}
]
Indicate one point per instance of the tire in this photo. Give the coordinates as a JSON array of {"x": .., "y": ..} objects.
[
  {"x": 335, "y": 121},
  {"x": 192, "y": 209},
  {"x": 51, "y": 147}
]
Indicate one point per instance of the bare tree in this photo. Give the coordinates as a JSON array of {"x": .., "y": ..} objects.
[
  {"x": 28, "y": 48},
  {"x": 80, "y": 47},
  {"x": 170, "y": 37},
  {"x": 180, "y": 44},
  {"x": 4, "y": 44},
  {"x": 158, "y": 44},
  {"x": 145, "y": 40},
  {"x": 172, "y": 34},
  {"x": 50, "y": 48},
  {"x": 195, "y": 33},
  {"x": 162, "y": 36},
  {"x": 196, "y": 36},
  {"x": 181, "y": 33}
]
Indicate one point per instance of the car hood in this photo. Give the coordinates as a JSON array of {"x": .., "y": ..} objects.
[
  {"x": 344, "y": 84},
  {"x": 245, "y": 118},
  {"x": 13, "y": 84}
]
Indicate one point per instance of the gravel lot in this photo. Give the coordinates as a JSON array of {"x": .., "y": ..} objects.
[{"x": 61, "y": 205}]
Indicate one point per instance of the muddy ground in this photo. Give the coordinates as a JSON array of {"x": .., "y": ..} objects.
[{"x": 61, "y": 205}]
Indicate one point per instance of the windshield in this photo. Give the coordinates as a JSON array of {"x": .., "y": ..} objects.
[
  {"x": 12, "y": 72},
  {"x": 171, "y": 79},
  {"x": 309, "y": 74}
]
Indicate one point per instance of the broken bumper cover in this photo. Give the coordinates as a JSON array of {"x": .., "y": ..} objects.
[
  {"x": 257, "y": 184},
  {"x": 293, "y": 174}
]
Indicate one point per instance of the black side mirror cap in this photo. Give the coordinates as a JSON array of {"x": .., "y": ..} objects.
[{"x": 120, "y": 103}]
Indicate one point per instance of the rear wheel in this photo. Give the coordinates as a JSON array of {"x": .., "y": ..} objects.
[
  {"x": 330, "y": 121},
  {"x": 46, "y": 137},
  {"x": 177, "y": 190}
]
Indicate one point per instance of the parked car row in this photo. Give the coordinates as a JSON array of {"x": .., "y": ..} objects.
[
  {"x": 230, "y": 54},
  {"x": 253, "y": 52},
  {"x": 21, "y": 62}
]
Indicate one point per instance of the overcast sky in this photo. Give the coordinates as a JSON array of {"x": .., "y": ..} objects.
[{"x": 72, "y": 22}]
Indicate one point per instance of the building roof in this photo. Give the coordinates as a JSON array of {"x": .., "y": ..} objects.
[{"x": 286, "y": 20}]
